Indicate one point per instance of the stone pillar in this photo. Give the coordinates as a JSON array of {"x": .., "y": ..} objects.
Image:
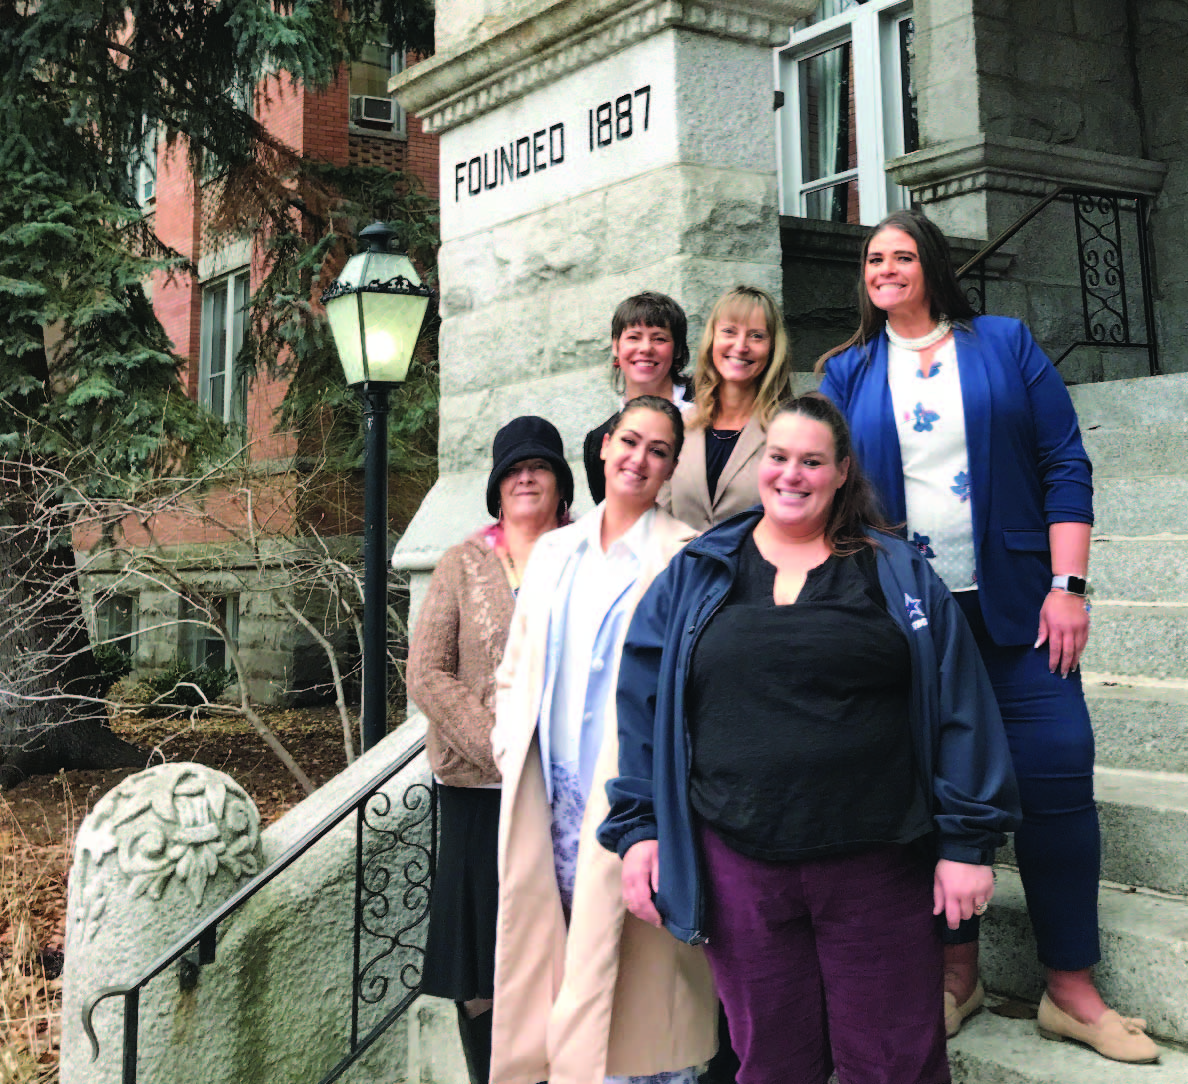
[
  {"x": 157, "y": 853},
  {"x": 590, "y": 149},
  {"x": 1016, "y": 98}
]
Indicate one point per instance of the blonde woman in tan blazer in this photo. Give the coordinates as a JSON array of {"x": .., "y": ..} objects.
[
  {"x": 741, "y": 375},
  {"x": 582, "y": 988}
]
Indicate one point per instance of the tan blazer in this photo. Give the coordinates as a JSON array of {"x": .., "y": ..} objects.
[
  {"x": 687, "y": 497},
  {"x": 610, "y": 995}
]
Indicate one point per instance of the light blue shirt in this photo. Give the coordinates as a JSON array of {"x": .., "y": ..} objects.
[{"x": 587, "y": 622}]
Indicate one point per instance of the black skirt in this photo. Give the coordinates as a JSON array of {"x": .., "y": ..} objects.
[{"x": 460, "y": 946}]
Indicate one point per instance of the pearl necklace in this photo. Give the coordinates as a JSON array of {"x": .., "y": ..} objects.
[{"x": 924, "y": 341}]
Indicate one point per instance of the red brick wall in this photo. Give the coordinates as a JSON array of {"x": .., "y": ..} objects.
[
  {"x": 417, "y": 154},
  {"x": 177, "y": 221},
  {"x": 316, "y": 126}
]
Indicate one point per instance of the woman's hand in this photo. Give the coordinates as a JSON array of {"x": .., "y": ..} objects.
[
  {"x": 960, "y": 890},
  {"x": 641, "y": 877},
  {"x": 1064, "y": 624}
]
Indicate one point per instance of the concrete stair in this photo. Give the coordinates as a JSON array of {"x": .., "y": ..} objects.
[
  {"x": 995, "y": 1049},
  {"x": 1135, "y": 672}
]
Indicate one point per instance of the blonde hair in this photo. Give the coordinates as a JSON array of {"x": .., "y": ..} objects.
[{"x": 773, "y": 383}]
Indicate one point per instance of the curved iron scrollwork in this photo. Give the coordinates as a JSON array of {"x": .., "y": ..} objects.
[
  {"x": 1103, "y": 275},
  {"x": 973, "y": 285},
  {"x": 395, "y": 881},
  {"x": 1111, "y": 230}
]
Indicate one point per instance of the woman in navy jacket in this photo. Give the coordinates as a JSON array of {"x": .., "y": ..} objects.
[
  {"x": 856, "y": 982},
  {"x": 971, "y": 440}
]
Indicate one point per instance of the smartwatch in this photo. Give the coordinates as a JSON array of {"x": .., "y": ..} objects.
[{"x": 1074, "y": 585}]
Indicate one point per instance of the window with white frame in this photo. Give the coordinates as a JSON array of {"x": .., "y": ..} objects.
[
  {"x": 116, "y": 621},
  {"x": 372, "y": 107},
  {"x": 222, "y": 382},
  {"x": 849, "y": 106},
  {"x": 143, "y": 170},
  {"x": 202, "y": 645}
]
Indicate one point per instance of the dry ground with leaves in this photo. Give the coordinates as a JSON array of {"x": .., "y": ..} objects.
[{"x": 38, "y": 821}]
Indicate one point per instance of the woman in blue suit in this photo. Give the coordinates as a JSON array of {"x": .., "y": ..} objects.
[{"x": 970, "y": 437}]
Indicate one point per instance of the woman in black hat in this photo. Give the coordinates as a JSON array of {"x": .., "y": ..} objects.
[{"x": 459, "y": 640}]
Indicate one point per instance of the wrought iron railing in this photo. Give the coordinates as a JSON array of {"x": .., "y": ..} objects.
[
  {"x": 1106, "y": 300},
  {"x": 376, "y": 918}
]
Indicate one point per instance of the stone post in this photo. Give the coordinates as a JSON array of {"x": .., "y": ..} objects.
[
  {"x": 590, "y": 149},
  {"x": 1016, "y": 98},
  {"x": 157, "y": 853}
]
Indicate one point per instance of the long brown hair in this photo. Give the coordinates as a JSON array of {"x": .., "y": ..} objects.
[
  {"x": 855, "y": 505},
  {"x": 773, "y": 384},
  {"x": 945, "y": 296}
]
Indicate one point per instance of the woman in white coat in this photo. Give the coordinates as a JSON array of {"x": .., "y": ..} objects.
[{"x": 584, "y": 990}]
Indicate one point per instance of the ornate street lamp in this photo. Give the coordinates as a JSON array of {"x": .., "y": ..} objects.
[{"x": 376, "y": 309}]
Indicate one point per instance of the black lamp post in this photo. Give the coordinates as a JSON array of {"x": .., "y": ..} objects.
[{"x": 376, "y": 308}]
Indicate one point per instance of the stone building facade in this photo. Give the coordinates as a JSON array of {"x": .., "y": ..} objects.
[
  {"x": 779, "y": 131},
  {"x": 972, "y": 109}
]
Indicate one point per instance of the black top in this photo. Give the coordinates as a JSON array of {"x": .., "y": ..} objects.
[
  {"x": 719, "y": 443},
  {"x": 591, "y": 449},
  {"x": 798, "y": 716}
]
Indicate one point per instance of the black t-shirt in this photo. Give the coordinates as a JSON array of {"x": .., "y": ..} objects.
[
  {"x": 592, "y": 458},
  {"x": 799, "y": 716},
  {"x": 719, "y": 443}
]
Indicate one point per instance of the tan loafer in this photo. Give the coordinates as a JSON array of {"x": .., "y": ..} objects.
[
  {"x": 956, "y": 1015},
  {"x": 1120, "y": 1038}
]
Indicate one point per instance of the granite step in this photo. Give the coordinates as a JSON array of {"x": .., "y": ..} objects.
[
  {"x": 1137, "y": 723},
  {"x": 1137, "y": 507},
  {"x": 1122, "y": 453},
  {"x": 1139, "y": 569},
  {"x": 995, "y": 1049},
  {"x": 1137, "y": 404},
  {"x": 1144, "y": 966},
  {"x": 1149, "y": 640},
  {"x": 1144, "y": 829}
]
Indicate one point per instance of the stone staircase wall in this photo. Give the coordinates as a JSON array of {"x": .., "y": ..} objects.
[{"x": 1136, "y": 682}]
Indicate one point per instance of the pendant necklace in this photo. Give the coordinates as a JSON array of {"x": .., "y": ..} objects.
[{"x": 513, "y": 578}]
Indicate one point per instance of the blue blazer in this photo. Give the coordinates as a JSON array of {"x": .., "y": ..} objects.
[{"x": 1027, "y": 464}]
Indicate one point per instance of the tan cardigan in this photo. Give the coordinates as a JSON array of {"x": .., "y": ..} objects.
[
  {"x": 608, "y": 993},
  {"x": 459, "y": 640},
  {"x": 687, "y": 497}
]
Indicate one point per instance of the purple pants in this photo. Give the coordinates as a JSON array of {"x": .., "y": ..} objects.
[{"x": 828, "y": 963}]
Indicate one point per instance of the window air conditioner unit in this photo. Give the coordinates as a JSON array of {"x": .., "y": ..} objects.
[{"x": 377, "y": 111}]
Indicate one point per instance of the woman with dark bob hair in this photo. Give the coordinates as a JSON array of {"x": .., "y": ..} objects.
[
  {"x": 649, "y": 352},
  {"x": 807, "y": 822},
  {"x": 972, "y": 443}
]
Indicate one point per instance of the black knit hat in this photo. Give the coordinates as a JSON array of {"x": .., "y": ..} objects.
[{"x": 523, "y": 438}]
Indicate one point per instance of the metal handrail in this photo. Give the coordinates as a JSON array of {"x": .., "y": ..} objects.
[
  {"x": 204, "y": 934},
  {"x": 1103, "y": 278},
  {"x": 992, "y": 247}
]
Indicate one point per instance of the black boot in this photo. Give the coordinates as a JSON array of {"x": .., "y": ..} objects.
[{"x": 475, "y": 1033}]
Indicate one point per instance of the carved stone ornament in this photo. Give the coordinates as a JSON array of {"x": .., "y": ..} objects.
[{"x": 173, "y": 821}]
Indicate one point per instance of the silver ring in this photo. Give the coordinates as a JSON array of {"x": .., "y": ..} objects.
[{"x": 981, "y": 908}]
